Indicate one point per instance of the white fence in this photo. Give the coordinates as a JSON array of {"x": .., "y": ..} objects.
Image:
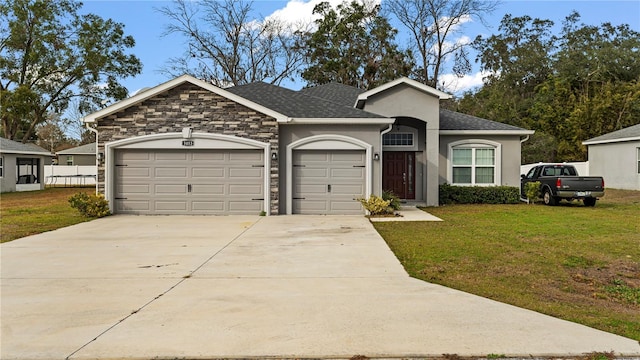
[
  {"x": 64, "y": 175},
  {"x": 581, "y": 167}
]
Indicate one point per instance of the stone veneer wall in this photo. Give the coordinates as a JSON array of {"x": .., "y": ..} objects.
[{"x": 189, "y": 105}]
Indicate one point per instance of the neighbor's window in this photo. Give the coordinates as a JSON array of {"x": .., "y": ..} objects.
[
  {"x": 397, "y": 139},
  {"x": 474, "y": 166},
  {"x": 1, "y": 166},
  {"x": 69, "y": 160},
  {"x": 638, "y": 158}
]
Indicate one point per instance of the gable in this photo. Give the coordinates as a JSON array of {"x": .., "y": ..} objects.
[{"x": 182, "y": 80}]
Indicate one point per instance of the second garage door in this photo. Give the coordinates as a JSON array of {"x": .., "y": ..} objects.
[
  {"x": 328, "y": 182},
  {"x": 189, "y": 182}
]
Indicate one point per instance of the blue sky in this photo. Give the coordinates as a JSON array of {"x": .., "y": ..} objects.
[{"x": 146, "y": 25}]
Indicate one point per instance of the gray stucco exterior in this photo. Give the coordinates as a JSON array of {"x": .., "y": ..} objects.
[
  {"x": 616, "y": 157},
  {"x": 405, "y": 101}
]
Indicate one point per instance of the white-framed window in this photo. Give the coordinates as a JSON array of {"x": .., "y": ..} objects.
[
  {"x": 638, "y": 158},
  {"x": 1, "y": 166},
  {"x": 474, "y": 162},
  {"x": 69, "y": 160},
  {"x": 401, "y": 138},
  {"x": 398, "y": 139}
]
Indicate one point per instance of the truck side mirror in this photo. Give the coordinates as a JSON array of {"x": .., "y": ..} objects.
[{"x": 522, "y": 176}]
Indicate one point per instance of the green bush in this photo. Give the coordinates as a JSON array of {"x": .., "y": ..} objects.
[
  {"x": 394, "y": 200},
  {"x": 532, "y": 190},
  {"x": 478, "y": 194},
  {"x": 376, "y": 205},
  {"x": 90, "y": 205}
]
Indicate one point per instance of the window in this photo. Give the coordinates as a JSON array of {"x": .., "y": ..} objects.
[
  {"x": 474, "y": 163},
  {"x": 1, "y": 166},
  {"x": 69, "y": 160},
  {"x": 397, "y": 139},
  {"x": 638, "y": 158}
]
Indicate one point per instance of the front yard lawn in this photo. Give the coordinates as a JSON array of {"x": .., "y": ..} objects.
[
  {"x": 33, "y": 212},
  {"x": 573, "y": 262}
]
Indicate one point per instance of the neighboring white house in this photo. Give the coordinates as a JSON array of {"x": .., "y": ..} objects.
[
  {"x": 22, "y": 166},
  {"x": 616, "y": 157}
]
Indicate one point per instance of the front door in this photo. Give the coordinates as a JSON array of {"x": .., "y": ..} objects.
[{"x": 399, "y": 173}]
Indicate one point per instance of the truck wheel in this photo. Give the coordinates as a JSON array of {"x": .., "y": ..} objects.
[
  {"x": 589, "y": 202},
  {"x": 548, "y": 198}
]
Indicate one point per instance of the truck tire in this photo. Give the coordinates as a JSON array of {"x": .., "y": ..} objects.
[
  {"x": 548, "y": 198},
  {"x": 589, "y": 201}
]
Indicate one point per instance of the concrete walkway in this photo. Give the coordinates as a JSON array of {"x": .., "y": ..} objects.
[
  {"x": 408, "y": 213},
  {"x": 128, "y": 287}
]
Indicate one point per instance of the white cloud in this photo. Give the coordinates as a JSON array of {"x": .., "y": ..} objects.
[
  {"x": 458, "y": 85},
  {"x": 300, "y": 12}
]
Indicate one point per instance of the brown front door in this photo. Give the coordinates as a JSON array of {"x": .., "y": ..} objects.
[{"x": 399, "y": 173}]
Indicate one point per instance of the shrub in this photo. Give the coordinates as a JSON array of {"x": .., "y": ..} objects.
[
  {"x": 478, "y": 194},
  {"x": 532, "y": 191},
  {"x": 394, "y": 200},
  {"x": 90, "y": 205},
  {"x": 376, "y": 205}
]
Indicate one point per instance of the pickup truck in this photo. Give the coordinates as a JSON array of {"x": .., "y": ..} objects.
[{"x": 561, "y": 181}]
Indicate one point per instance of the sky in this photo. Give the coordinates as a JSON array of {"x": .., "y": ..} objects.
[{"x": 146, "y": 25}]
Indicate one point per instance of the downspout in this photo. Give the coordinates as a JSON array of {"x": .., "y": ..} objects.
[
  {"x": 86, "y": 125},
  {"x": 382, "y": 154},
  {"x": 522, "y": 142}
]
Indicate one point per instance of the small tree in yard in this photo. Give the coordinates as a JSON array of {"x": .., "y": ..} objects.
[{"x": 532, "y": 190}]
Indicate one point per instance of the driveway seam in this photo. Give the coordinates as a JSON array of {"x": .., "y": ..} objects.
[{"x": 183, "y": 279}]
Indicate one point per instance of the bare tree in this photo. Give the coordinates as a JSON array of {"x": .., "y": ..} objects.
[
  {"x": 227, "y": 47},
  {"x": 432, "y": 24}
]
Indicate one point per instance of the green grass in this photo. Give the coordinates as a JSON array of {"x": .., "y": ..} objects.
[
  {"x": 573, "y": 262},
  {"x": 33, "y": 212}
]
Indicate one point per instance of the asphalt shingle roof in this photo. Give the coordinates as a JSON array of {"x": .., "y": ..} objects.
[
  {"x": 628, "y": 132},
  {"x": 14, "y": 147},
  {"x": 335, "y": 92},
  {"x": 296, "y": 104},
  {"x": 87, "y": 149},
  {"x": 451, "y": 120}
]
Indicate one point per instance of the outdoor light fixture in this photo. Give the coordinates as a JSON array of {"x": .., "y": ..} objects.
[
  {"x": 186, "y": 133},
  {"x": 100, "y": 156},
  {"x": 274, "y": 156},
  {"x": 376, "y": 156}
]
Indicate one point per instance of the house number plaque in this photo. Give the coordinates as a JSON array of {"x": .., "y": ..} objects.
[{"x": 188, "y": 143}]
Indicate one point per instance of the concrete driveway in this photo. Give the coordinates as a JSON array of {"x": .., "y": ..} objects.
[{"x": 129, "y": 287}]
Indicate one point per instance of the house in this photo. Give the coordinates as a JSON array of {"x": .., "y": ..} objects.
[
  {"x": 22, "y": 166},
  {"x": 81, "y": 155},
  {"x": 188, "y": 147},
  {"x": 623, "y": 146}
]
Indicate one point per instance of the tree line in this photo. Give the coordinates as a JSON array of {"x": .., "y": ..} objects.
[{"x": 568, "y": 87}]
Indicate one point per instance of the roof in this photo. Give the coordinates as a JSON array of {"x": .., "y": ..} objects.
[
  {"x": 299, "y": 105},
  {"x": 630, "y": 133},
  {"x": 13, "y": 147},
  {"x": 87, "y": 149},
  {"x": 338, "y": 93},
  {"x": 147, "y": 94},
  {"x": 452, "y": 122},
  {"x": 362, "y": 98}
]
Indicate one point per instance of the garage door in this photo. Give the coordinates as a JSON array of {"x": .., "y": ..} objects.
[
  {"x": 328, "y": 182},
  {"x": 189, "y": 182}
]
